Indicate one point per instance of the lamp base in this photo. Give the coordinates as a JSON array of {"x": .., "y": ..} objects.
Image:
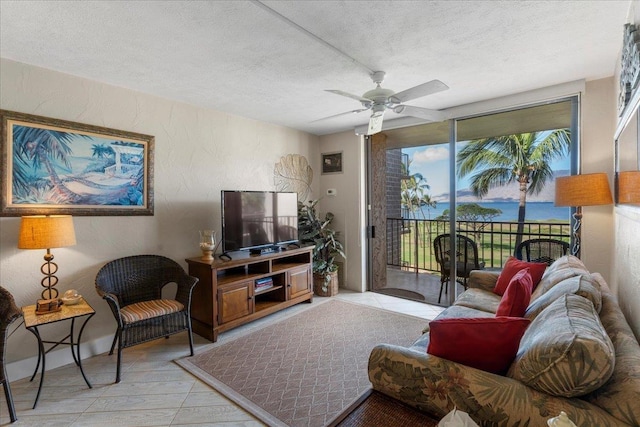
[{"x": 44, "y": 306}]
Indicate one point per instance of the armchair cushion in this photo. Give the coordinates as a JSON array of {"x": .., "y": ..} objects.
[
  {"x": 566, "y": 350},
  {"x": 149, "y": 309},
  {"x": 489, "y": 344},
  {"x": 512, "y": 266},
  {"x": 516, "y": 298}
]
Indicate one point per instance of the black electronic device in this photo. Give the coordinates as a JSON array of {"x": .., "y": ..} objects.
[
  {"x": 259, "y": 221},
  {"x": 264, "y": 250}
]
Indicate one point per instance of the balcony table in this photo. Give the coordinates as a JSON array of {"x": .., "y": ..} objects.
[{"x": 67, "y": 312}]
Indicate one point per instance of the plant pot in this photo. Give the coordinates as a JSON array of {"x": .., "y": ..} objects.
[{"x": 332, "y": 286}]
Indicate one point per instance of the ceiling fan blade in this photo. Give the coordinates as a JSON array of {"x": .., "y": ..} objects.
[
  {"x": 422, "y": 113},
  {"x": 424, "y": 89},
  {"x": 375, "y": 123},
  {"x": 348, "y": 95},
  {"x": 341, "y": 114}
]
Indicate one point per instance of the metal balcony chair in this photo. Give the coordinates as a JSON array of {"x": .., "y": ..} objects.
[
  {"x": 466, "y": 259},
  {"x": 9, "y": 312},
  {"x": 541, "y": 250},
  {"x": 132, "y": 286}
]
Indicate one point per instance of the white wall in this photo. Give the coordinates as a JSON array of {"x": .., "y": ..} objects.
[
  {"x": 198, "y": 152},
  {"x": 348, "y": 203},
  {"x": 598, "y": 121}
]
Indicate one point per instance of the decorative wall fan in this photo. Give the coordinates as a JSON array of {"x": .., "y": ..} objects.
[{"x": 379, "y": 100}]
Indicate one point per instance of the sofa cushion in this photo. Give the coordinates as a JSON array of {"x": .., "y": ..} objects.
[
  {"x": 620, "y": 395},
  {"x": 479, "y": 299},
  {"x": 584, "y": 285},
  {"x": 512, "y": 266},
  {"x": 516, "y": 298},
  {"x": 489, "y": 344},
  {"x": 566, "y": 351},
  {"x": 563, "y": 268}
]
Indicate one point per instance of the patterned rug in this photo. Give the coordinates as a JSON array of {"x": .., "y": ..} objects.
[{"x": 304, "y": 370}]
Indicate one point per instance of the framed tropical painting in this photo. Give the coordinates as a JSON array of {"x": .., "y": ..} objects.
[{"x": 51, "y": 166}]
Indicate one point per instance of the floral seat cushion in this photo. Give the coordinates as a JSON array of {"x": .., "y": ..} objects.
[{"x": 149, "y": 309}]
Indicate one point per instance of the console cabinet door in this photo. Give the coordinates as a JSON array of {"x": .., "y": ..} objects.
[
  {"x": 235, "y": 301},
  {"x": 299, "y": 281}
]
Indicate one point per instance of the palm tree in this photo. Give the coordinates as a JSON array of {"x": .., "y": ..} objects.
[
  {"x": 42, "y": 148},
  {"x": 412, "y": 188},
  {"x": 524, "y": 158},
  {"x": 101, "y": 151}
]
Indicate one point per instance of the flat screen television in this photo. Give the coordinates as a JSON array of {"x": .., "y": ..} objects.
[{"x": 254, "y": 219}]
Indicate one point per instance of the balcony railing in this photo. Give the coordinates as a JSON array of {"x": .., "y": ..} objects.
[{"x": 410, "y": 241}]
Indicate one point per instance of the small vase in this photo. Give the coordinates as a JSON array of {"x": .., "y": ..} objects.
[{"x": 207, "y": 244}]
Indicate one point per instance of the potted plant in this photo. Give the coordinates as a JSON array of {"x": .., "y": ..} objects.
[{"x": 312, "y": 229}]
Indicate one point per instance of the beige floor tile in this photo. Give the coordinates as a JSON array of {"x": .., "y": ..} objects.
[{"x": 155, "y": 391}]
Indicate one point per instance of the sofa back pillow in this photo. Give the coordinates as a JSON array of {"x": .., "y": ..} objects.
[
  {"x": 563, "y": 268},
  {"x": 512, "y": 266},
  {"x": 516, "y": 298},
  {"x": 489, "y": 344},
  {"x": 584, "y": 285},
  {"x": 565, "y": 351}
]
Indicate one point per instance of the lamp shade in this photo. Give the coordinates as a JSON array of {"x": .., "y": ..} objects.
[
  {"x": 629, "y": 187},
  {"x": 45, "y": 232},
  {"x": 583, "y": 190}
]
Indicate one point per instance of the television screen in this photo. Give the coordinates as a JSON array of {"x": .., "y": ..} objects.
[{"x": 252, "y": 219}]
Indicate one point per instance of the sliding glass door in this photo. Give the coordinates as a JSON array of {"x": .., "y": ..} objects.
[{"x": 487, "y": 181}]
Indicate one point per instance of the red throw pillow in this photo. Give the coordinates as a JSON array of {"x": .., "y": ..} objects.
[
  {"x": 516, "y": 298},
  {"x": 512, "y": 266},
  {"x": 487, "y": 343}
]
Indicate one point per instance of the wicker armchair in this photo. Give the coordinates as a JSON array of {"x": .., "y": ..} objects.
[
  {"x": 9, "y": 312},
  {"x": 133, "y": 286},
  {"x": 541, "y": 250},
  {"x": 466, "y": 259}
]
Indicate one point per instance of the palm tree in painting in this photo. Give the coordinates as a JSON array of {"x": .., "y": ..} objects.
[
  {"x": 38, "y": 148},
  {"x": 523, "y": 158},
  {"x": 101, "y": 151}
]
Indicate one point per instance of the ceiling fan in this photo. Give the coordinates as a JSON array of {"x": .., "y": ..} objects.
[{"x": 379, "y": 100}]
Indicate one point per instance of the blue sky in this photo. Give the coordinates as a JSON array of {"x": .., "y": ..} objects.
[{"x": 432, "y": 161}]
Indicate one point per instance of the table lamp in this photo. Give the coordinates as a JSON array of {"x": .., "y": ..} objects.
[
  {"x": 46, "y": 232},
  {"x": 582, "y": 190},
  {"x": 629, "y": 187}
]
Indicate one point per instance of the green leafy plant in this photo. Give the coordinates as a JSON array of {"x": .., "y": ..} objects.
[{"x": 313, "y": 229}]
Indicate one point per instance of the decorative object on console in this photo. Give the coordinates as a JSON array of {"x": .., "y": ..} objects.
[
  {"x": 71, "y": 297},
  {"x": 207, "y": 244},
  {"x": 582, "y": 190},
  {"x": 629, "y": 187},
  {"x": 46, "y": 232},
  {"x": 116, "y": 179},
  {"x": 312, "y": 229}
]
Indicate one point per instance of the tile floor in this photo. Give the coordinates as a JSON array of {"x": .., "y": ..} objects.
[{"x": 154, "y": 391}]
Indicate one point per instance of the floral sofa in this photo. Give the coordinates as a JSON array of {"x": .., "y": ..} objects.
[{"x": 596, "y": 381}]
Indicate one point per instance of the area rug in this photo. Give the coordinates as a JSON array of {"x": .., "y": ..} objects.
[
  {"x": 377, "y": 409},
  {"x": 304, "y": 370}
]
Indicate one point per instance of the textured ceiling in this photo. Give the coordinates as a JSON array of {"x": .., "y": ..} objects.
[{"x": 237, "y": 57}]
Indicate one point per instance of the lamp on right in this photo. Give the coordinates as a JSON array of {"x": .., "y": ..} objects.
[
  {"x": 629, "y": 187},
  {"x": 582, "y": 190}
]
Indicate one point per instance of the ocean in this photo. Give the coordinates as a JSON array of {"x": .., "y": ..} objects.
[{"x": 535, "y": 211}]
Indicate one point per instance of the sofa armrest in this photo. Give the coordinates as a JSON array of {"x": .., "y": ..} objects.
[
  {"x": 435, "y": 385},
  {"x": 483, "y": 279}
]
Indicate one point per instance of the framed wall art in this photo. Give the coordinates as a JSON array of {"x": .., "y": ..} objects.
[
  {"x": 51, "y": 166},
  {"x": 332, "y": 162}
]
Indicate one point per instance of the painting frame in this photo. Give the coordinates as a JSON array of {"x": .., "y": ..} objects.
[
  {"x": 332, "y": 163},
  {"x": 40, "y": 157}
]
